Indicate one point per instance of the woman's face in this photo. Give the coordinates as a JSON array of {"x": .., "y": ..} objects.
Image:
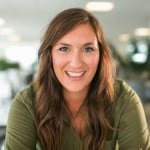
[{"x": 75, "y": 58}]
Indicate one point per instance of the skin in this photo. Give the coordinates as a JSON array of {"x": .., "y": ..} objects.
[{"x": 75, "y": 59}]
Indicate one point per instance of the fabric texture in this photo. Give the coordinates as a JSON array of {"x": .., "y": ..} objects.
[{"x": 126, "y": 115}]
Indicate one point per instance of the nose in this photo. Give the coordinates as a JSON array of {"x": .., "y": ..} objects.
[{"x": 76, "y": 59}]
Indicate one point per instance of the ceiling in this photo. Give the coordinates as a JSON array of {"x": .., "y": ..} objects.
[{"x": 29, "y": 17}]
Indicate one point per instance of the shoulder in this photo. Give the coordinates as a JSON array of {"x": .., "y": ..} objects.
[
  {"x": 126, "y": 105},
  {"x": 25, "y": 99},
  {"x": 124, "y": 93},
  {"x": 21, "y": 124},
  {"x": 26, "y": 95},
  {"x": 125, "y": 98},
  {"x": 128, "y": 115},
  {"x": 122, "y": 86},
  {"x": 126, "y": 102}
]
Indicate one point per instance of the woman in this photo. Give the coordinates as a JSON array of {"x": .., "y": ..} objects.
[{"x": 75, "y": 101}]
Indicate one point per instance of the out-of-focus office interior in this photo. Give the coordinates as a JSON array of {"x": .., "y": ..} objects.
[{"x": 126, "y": 26}]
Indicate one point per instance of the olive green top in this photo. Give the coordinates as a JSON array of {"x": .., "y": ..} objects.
[{"x": 127, "y": 114}]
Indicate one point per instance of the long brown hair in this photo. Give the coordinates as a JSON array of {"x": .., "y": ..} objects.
[{"x": 49, "y": 96}]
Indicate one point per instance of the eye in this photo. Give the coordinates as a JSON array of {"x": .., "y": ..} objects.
[
  {"x": 88, "y": 49},
  {"x": 63, "y": 49}
]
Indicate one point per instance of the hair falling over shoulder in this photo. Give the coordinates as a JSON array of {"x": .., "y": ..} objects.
[{"x": 49, "y": 105}]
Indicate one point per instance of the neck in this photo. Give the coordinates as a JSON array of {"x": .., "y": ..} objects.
[
  {"x": 74, "y": 101},
  {"x": 76, "y": 110}
]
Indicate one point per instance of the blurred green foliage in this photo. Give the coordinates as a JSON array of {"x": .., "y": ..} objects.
[{"x": 4, "y": 65}]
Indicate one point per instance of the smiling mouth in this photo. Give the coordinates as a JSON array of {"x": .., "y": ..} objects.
[{"x": 75, "y": 74}]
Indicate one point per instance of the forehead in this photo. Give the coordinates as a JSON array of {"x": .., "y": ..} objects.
[{"x": 80, "y": 33}]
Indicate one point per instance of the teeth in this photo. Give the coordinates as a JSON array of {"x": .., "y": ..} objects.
[{"x": 75, "y": 74}]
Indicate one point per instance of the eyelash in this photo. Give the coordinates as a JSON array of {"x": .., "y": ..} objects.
[
  {"x": 88, "y": 49},
  {"x": 63, "y": 49}
]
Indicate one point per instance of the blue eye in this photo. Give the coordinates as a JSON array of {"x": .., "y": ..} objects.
[
  {"x": 63, "y": 49},
  {"x": 88, "y": 49}
]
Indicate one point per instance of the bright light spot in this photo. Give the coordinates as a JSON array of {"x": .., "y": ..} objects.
[
  {"x": 99, "y": 6},
  {"x": 142, "y": 47},
  {"x": 6, "y": 31},
  {"x": 14, "y": 38},
  {"x": 24, "y": 55},
  {"x": 2, "y": 21},
  {"x": 139, "y": 58},
  {"x": 124, "y": 37},
  {"x": 130, "y": 48},
  {"x": 142, "y": 32},
  {"x": 5, "y": 87}
]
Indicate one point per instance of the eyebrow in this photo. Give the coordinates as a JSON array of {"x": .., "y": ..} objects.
[
  {"x": 65, "y": 44},
  {"x": 86, "y": 44},
  {"x": 89, "y": 43}
]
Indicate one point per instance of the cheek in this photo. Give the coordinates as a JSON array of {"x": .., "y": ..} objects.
[
  {"x": 93, "y": 63},
  {"x": 58, "y": 62}
]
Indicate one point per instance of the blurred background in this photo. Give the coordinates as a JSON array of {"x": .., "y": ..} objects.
[{"x": 126, "y": 26}]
